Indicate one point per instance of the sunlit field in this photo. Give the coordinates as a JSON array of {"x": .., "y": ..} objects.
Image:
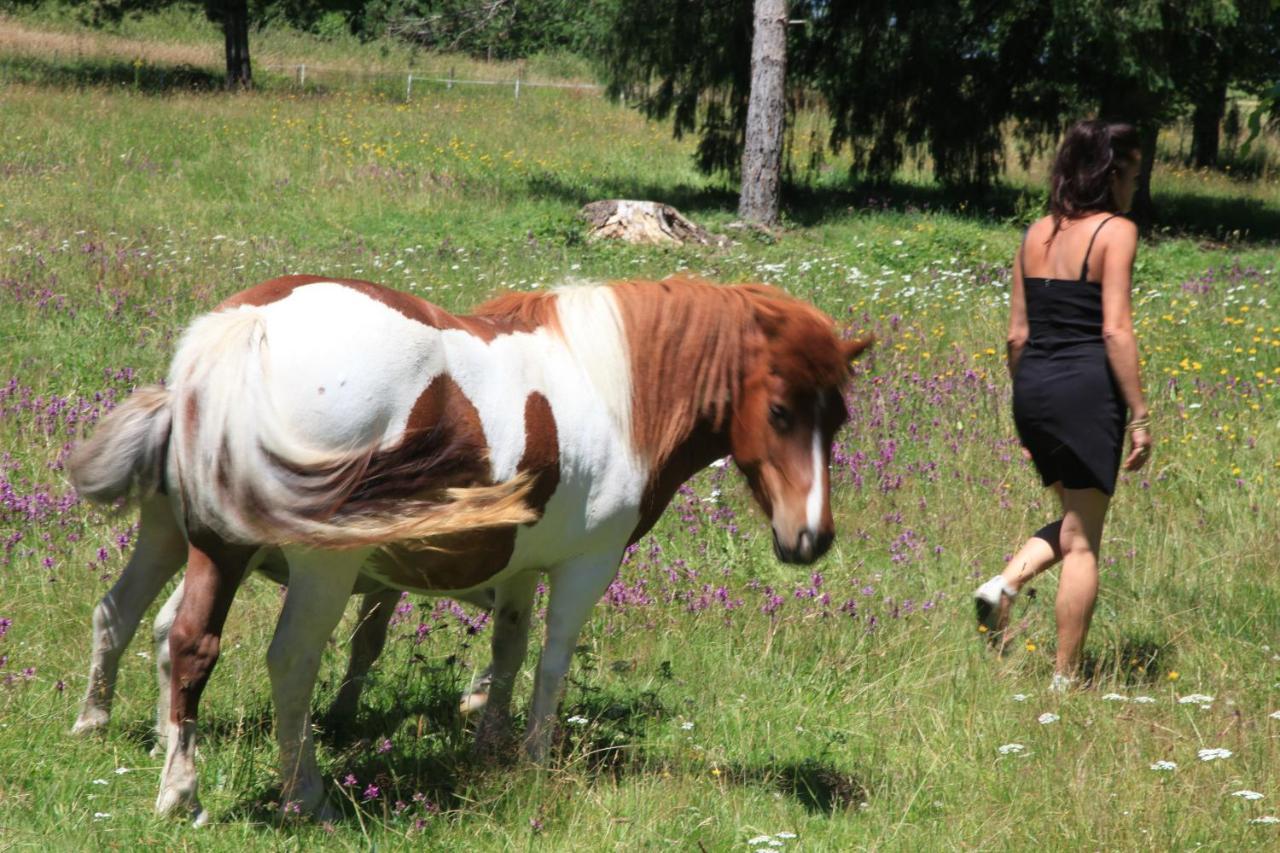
[{"x": 719, "y": 700}]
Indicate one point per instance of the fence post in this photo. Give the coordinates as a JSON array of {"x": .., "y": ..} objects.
[
  {"x": 408, "y": 86},
  {"x": 302, "y": 75},
  {"x": 517, "y": 85},
  {"x": 449, "y": 83}
]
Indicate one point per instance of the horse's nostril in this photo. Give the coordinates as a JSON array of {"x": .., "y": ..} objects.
[{"x": 804, "y": 545}]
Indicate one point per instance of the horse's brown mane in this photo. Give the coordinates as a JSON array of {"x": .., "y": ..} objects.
[
  {"x": 704, "y": 340},
  {"x": 520, "y": 310},
  {"x": 696, "y": 336}
]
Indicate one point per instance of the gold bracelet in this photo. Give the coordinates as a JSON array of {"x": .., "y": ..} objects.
[{"x": 1136, "y": 424}]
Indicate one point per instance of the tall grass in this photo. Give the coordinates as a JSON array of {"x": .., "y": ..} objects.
[{"x": 723, "y": 696}]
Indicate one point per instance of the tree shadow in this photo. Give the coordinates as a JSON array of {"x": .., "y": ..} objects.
[
  {"x": 111, "y": 73},
  {"x": 256, "y": 721},
  {"x": 821, "y": 787},
  {"x": 1133, "y": 662},
  {"x": 1206, "y": 217}
]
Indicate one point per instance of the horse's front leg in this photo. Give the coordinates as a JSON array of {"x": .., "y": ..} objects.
[
  {"x": 320, "y": 584},
  {"x": 574, "y": 589},
  {"x": 513, "y": 605},
  {"x": 366, "y": 645},
  {"x": 159, "y": 553},
  {"x": 214, "y": 571}
]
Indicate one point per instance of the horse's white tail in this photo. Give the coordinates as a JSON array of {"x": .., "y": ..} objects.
[
  {"x": 125, "y": 454},
  {"x": 242, "y": 473}
]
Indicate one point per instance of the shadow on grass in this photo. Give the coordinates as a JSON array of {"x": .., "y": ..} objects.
[
  {"x": 110, "y": 73},
  {"x": 1134, "y": 662},
  {"x": 443, "y": 773},
  {"x": 1204, "y": 217},
  {"x": 256, "y": 721}
]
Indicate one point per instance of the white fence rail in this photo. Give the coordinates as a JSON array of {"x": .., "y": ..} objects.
[{"x": 300, "y": 71}]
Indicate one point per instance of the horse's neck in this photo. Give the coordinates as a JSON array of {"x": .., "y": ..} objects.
[{"x": 699, "y": 449}]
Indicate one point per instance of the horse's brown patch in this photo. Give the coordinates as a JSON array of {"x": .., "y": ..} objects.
[
  {"x": 443, "y": 446},
  {"x": 470, "y": 559},
  {"x": 541, "y": 451}
]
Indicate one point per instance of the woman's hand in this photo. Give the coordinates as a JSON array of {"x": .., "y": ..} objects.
[{"x": 1139, "y": 449}]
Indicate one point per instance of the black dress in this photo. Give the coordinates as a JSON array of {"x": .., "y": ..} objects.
[{"x": 1067, "y": 407}]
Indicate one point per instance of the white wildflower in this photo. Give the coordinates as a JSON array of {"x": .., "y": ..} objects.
[
  {"x": 1246, "y": 794},
  {"x": 687, "y": 726},
  {"x": 1266, "y": 819},
  {"x": 1214, "y": 753},
  {"x": 759, "y": 839},
  {"x": 1011, "y": 749},
  {"x": 1195, "y": 699},
  {"x": 1019, "y": 697},
  {"x": 575, "y": 720},
  {"x": 120, "y": 771},
  {"x": 99, "y": 781},
  {"x": 787, "y": 835},
  {"x": 1047, "y": 718},
  {"x": 1275, "y": 715},
  {"x": 1115, "y": 697},
  {"x": 1143, "y": 700},
  {"x": 101, "y": 815},
  {"x": 1164, "y": 766}
]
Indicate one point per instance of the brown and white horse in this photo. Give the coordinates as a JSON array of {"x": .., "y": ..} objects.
[{"x": 368, "y": 436}]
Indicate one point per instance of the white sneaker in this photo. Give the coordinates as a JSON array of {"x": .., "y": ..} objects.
[
  {"x": 1061, "y": 683},
  {"x": 986, "y": 600}
]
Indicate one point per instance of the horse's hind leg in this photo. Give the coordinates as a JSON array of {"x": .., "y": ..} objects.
[
  {"x": 160, "y": 552},
  {"x": 164, "y": 670},
  {"x": 366, "y": 644},
  {"x": 214, "y": 571},
  {"x": 476, "y": 696},
  {"x": 320, "y": 584}
]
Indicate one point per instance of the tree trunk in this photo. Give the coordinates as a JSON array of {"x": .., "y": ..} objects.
[
  {"x": 235, "y": 27},
  {"x": 1205, "y": 121},
  {"x": 766, "y": 114},
  {"x": 1144, "y": 210}
]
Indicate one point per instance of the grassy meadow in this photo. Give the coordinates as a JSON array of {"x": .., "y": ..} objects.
[{"x": 719, "y": 700}]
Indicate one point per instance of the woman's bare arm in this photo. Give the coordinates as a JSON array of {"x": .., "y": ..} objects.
[
  {"x": 1018, "y": 329},
  {"x": 1117, "y": 328}
]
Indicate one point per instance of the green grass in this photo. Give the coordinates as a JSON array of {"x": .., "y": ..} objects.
[{"x": 125, "y": 214}]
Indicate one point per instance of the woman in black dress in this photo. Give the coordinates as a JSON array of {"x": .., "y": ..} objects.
[{"x": 1073, "y": 358}]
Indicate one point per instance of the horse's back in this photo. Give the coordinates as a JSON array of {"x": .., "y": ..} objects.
[{"x": 343, "y": 367}]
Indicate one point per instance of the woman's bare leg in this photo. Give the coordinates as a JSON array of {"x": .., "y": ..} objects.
[
  {"x": 1084, "y": 511},
  {"x": 1039, "y": 553}
]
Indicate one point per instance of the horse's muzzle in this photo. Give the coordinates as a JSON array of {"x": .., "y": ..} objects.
[{"x": 807, "y": 547}]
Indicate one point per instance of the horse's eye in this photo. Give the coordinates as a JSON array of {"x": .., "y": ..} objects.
[{"x": 779, "y": 416}]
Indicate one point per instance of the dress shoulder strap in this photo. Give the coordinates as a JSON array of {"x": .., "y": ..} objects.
[{"x": 1084, "y": 265}]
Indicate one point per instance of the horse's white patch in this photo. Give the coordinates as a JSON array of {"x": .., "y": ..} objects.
[
  {"x": 813, "y": 504},
  {"x": 591, "y": 321}
]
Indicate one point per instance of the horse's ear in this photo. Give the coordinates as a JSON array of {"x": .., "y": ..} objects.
[{"x": 852, "y": 349}]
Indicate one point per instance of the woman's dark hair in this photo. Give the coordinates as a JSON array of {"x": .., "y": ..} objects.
[{"x": 1091, "y": 152}]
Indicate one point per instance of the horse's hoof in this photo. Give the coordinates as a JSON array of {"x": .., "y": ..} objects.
[
  {"x": 91, "y": 720},
  {"x": 472, "y": 702},
  {"x": 294, "y": 810},
  {"x": 174, "y": 801}
]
